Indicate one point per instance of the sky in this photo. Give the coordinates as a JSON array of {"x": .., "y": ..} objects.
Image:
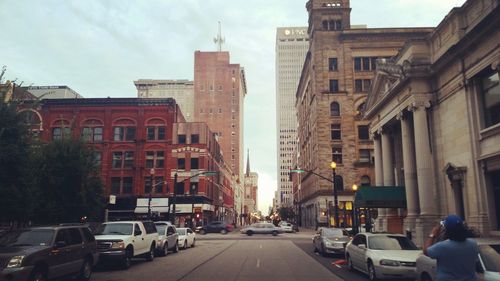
[{"x": 99, "y": 47}]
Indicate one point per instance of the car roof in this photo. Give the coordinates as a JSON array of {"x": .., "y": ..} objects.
[{"x": 163, "y": 222}]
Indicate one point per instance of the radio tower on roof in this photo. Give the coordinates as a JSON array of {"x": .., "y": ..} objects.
[{"x": 219, "y": 40}]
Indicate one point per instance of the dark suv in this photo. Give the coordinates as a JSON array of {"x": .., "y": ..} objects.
[
  {"x": 215, "y": 227},
  {"x": 42, "y": 253}
]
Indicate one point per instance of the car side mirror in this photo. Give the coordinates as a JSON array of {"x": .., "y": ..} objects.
[
  {"x": 60, "y": 244},
  {"x": 362, "y": 246},
  {"x": 138, "y": 232}
]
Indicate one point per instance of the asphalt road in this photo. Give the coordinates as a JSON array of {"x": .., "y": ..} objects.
[{"x": 227, "y": 259}]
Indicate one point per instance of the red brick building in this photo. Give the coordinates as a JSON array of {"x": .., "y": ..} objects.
[{"x": 139, "y": 144}]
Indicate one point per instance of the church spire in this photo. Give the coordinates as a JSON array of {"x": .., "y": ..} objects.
[{"x": 248, "y": 163}]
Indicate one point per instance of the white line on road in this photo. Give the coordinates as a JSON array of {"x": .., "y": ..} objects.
[
  {"x": 258, "y": 263},
  {"x": 260, "y": 246}
]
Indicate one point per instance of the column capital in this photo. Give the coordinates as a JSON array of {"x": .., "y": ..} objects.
[{"x": 419, "y": 104}]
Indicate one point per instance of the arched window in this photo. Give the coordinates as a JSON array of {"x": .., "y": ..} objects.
[
  {"x": 334, "y": 109},
  {"x": 331, "y": 25},
  {"x": 325, "y": 25},
  {"x": 360, "y": 109},
  {"x": 365, "y": 180}
]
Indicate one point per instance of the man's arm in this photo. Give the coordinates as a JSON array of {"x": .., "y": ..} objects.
[{"x": 432, "y": 238}]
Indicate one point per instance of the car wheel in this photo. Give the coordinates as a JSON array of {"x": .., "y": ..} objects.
[
  {"x": 323, "y": 252},
  {"x": 372, "y": 275},
  {"x": 194, "y": 242},
  {"x": 85, "y": 271},
  {"x": 38, "y": 275},
  {"x": 275, "y": 233},
  {"x": 349, "y": 262},
  {"x": 185, "y": 244},
  {"x": 425, "y": 277},
  {"x": 223, "y": 231},
  {"x": 249, "y": 233},
  {"x": 176, "y": 249},
  {"x": 151, "y": 255},
  {"x": 164, "y": 250},
  {"x": 127, "y": 259}
]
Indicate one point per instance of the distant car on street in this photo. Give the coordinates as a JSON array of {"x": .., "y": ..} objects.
[
  {"x": 187, "y": 237},
  {"x": 382, "y": 255},
  {"x": 215, "y": 227},
  {"x": 330, "y": 240},
  {"x": 168, "y": 239},
  {"x": 286, "y": 227},
  {"x": 261, "y": 228}
]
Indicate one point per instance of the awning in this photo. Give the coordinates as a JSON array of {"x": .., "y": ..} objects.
[
  {"x": 158, "y": 205},
  {"x": 380, "y": 197}
]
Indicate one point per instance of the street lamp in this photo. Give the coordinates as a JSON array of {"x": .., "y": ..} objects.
[
  {"x": 333, "y": 165},
  {"x": 354, "y": 212}
]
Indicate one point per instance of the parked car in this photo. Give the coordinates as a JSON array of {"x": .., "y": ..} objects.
[
  {"x": 168, "y": 239},
  {"x": 330, "y": 240},
  {"x": 286, "y": 227},
  {"x": 215, "y": 227},
  {"x": 123, "y": 240},
  {"x": 261, "y": 228},
  {"x": 187, "y": 237},
  {"x": 42, "y": 253},
  {"x": 488, "y": 267},
  {"x": 382, "y": 255}
]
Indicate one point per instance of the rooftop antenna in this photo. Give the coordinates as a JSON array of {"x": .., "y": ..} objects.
[{"x": 219, "y": 40}]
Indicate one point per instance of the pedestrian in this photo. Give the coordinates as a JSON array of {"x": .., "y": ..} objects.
[{"x": 457, "y": 255}]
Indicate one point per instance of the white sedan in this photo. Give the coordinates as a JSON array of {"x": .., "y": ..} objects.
[
  {"x": 382, "y": 255},
  {"x": 187, "y": 237}
]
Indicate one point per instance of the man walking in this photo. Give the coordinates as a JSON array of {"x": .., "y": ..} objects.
[{"x": 457, "y": 255}]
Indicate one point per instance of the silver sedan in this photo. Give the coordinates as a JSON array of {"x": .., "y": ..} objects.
[
  {"x": 261, "y": 228},
  {"x": 330, "y": 240}
]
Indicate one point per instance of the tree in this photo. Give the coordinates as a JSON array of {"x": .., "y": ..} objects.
[
  {"x": 69, "y": 183},
  {"x": 286, "y": 213},
  {"x": 16, "y": 178}
]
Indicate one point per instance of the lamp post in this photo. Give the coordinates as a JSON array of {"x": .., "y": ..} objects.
[
  {"x": 151, "y": 174},
  {"x": 333, "y": 165},
  {"x": 354, "y": 211}
]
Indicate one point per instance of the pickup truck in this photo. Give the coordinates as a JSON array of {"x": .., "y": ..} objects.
[{"x": 123, "y": 240}]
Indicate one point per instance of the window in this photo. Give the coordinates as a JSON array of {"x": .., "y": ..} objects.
[
  {"x": 123, "y": 159},
  {"x": 364, "y": 155},
  {"x": 59, "y": 133},
  {"x": 75, "y": 237},
  {"x": 361, "y": 108},
  {"x": 124, "y": 133},
  {"x": 194, "y": 164},
  {"x": 490, "y": 91},
  {"x": 92, "y": 134},
  {"x": 157, "y": 185},
  {"x": 337, "y": 155},
  {"x": 334, "y": 85},
  {"x": 121, "y": 185},
  {"x": 155, "y": 159},
  {"x": 181, "y": 139},
  {"x": 365, "y": 63},
  {"x": 362, "y": 85},
  {"x": 363, "y": 132},
  {"x": 334, "y": 109},
  {"x": 193, "y": 189},
  {"x": 195, "y": 138},
  {"x": 155, "y": 133},
  {"x": 332, "y": 64},
  {"x": 181, "y": 163},
  {"x": 97, "y": 158},
  {"x": 365, "y": 181},
  {"x": 336, "y": 132}
]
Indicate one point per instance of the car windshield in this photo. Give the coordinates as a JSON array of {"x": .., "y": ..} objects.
[
  {"x": 390, "y": 242},
  {"x": 115, "y": 228},
  {"x": 181, "y": 231},
  {"x": 333, "y": 232},
  {"x": 161, "y": 228},
  {"x": 28, "y": 237},
  {"x": 490, "y": 254}
]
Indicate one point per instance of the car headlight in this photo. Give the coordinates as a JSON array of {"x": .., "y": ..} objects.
[
  {"x": 15, "y": 261},
  {"x": 389, "y": 262},
  {"x": 118, "y": 245}
]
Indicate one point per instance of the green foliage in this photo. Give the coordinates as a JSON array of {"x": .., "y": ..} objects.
[{"x": 286, "y": 213}]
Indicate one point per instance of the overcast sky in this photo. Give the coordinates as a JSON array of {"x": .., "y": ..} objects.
[{"x": 99, "y": 47}]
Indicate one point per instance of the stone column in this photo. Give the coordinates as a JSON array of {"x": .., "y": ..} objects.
[
  {"x": 410, "y": 172},
  {"x": 388, "y": 167},
  {"x": 379, "y": 177},
  {"x": 425, "y": 175}
]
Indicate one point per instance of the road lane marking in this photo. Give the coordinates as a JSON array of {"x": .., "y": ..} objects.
[
  {"x": 260, "y": 246},
  {"x": 258, "y": 263}
]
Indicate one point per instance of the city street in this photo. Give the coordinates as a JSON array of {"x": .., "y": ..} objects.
[{"x": 236, "y": 256}]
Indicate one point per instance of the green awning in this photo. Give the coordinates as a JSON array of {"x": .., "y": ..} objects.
[{"x": 380, "y": 197}]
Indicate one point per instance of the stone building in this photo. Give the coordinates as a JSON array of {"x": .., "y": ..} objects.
[
  {"x": 435, "y": 118},
  {"x": 330, "y": 99},
  {"x": 53, "y": 92}
]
